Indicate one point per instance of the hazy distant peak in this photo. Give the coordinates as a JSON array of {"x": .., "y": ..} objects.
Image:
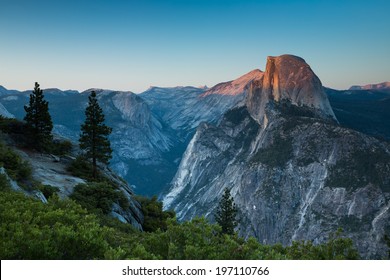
[
  {"x": 88, "y": 91},
  {"x": 104, "y": 92},
  {"x": 52, "y": 89},
  {"x": 380, "y": 86},
  {"x": 165, "y": 90},
  {"x": 4, "y": 90}
]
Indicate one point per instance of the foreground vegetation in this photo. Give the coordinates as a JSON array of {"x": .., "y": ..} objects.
[{"x": 63, "y": 229}]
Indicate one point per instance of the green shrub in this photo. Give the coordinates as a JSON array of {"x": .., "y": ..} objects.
[
  {"x": 198, "y": 239},
  {"x": 16, "y": 167},
  {"x": 4, "y": 183},
  {"x": 338, "y": 248},
  {"x": 47, "y": 190},
  {"x": 98, "y": 197},
  {"x": 32, "y": 230},
  {"x": 154, "y": 216},
  {"x": 61, "y": 229},
  {"x": 15, "y": 128},
  {"x": 118, "y": 226},
  {"x": 60, "y": 148},
  {"x": 80, "y": 167}
]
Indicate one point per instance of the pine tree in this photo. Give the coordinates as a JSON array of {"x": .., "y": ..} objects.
[
  {"x": 226, "y": 213},
  {"x": 94, "y": 135},
  {"x": 38, "y": 120}
]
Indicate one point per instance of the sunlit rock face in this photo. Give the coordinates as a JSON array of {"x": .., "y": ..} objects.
[
  {"x": 236, "y": 87},
  {"x": 293, "y": 172},
  {"x": 288, "y": 78}
]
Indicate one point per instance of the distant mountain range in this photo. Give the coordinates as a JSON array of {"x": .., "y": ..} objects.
[
  {"x": 153, "y": 129},
  {"x": 150, "y": 130},
  {"x": 366, "y": 111},
  {"x": 385, "y": 86},
  {"x": 301, "y": 159}
]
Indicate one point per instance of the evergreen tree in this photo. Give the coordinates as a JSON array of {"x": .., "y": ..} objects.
[
  {"x": 226, "y": 213},
  {"x": 94, "y": 135},
  {"x": 38, "y": 120}
]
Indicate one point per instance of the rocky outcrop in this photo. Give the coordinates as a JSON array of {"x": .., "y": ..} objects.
[
  {"x": 53, "y": 172},
  {"x": 15, "y": 187},
  {"x": 293, "y": 172},
  {"x": 288, "y": 78}
]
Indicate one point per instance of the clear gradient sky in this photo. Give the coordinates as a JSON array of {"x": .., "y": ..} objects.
[{"x": 131, "y": 45}]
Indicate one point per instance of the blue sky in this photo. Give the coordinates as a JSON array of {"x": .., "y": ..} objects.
[{"x": 131, "y": 45}]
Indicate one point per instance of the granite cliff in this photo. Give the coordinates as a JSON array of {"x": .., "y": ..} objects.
[{"x": 294, "y": 173}]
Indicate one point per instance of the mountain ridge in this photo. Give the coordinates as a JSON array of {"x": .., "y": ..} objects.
[
  {"x": 379, "y": 86},
  {"x": 236, "y": 86},
  {"x": 293, "y": 172},
  {"x": 171, "y": 115}
]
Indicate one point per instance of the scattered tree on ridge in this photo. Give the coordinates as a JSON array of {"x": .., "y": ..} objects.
[
  {"x": 226, "y": 213},
  {"x": 94, "y": 135},
  {"x": 38, "y": 120}
]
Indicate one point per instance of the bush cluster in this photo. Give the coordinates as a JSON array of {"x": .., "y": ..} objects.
[
  {"x": 47, "y": 190},
  {"x": 98, "y": 197},
  {"x": 13, "y": 127},
  {"x": 82, "y": 168},
  {"x": 17, "y": 168},
  {"x": 60, "y": 147},
  {"x": 4, "y": 184},
  {"x": 62, "y": 229},
  {"x": 154, "y": 216},
  {"x": 30, "y": 229}
]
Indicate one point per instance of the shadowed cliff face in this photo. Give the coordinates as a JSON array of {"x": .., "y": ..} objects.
[
  {"x": 288, "y": 78},
  {"x": 366, "y": 111},
  {"x": 293, "y": 172}
]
